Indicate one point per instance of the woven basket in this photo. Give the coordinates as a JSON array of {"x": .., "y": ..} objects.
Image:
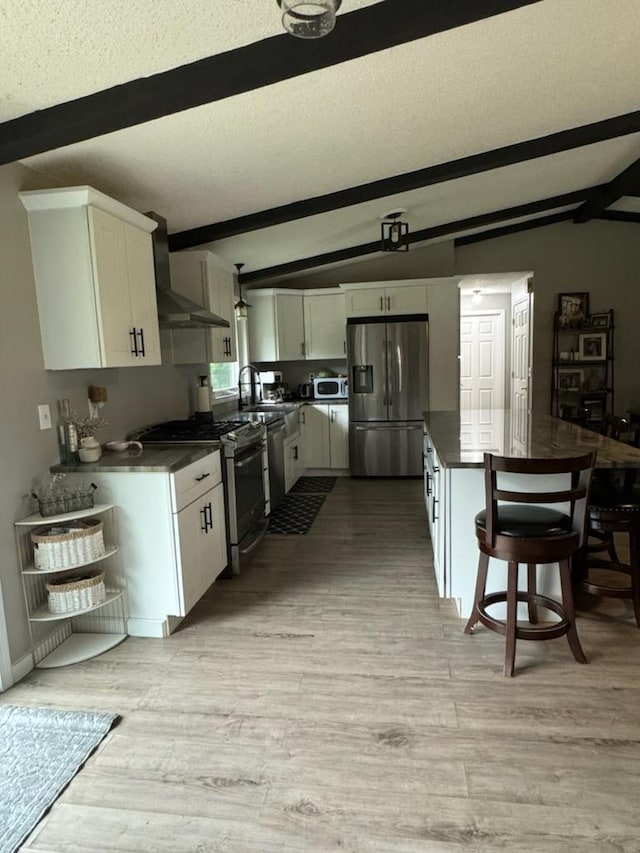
[
  {"x": 61, "y": 547},
  {"x": 76, "y": 593}
]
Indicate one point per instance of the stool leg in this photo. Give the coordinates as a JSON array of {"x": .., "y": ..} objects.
[
  {"x": 569, "y": 611},
  {"x": 481, "y": 582},
  {"x": 532, "y": 589},
  {"x": 512, "y": 618},
  {"x": 634, "y": 566}
]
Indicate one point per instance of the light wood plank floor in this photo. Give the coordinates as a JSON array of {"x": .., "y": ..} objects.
[{"x": 328, "y": 700}]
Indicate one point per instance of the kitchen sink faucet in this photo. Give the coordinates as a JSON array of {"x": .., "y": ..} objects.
[{"x": 255, "y": 376}]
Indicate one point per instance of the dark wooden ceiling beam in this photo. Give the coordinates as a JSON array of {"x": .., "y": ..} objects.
[
  {"x": 620, "y": 216},
  {"x": 420, "y": 236},
  {"x": 624, "y": 184},
  {"x": 358, "y": 33},
  {"x": 543, "y": 146},
  {"x": 492, "y": 233}
]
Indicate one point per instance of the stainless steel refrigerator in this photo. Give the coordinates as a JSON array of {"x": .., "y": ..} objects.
[{"x": 388, "y": 364}]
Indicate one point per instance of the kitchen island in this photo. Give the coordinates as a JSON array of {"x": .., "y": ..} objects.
[{"x": 455, "y": 442}]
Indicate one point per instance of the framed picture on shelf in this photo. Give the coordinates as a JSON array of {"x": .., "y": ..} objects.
[
  {"x": 592, "y": 346},
  {"x": 573, "y": 309},
  {"x": 570, "y": 379},
  {"x": 600, "y": 321}
]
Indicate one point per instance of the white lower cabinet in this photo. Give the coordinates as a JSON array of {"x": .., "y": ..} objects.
[
  {"x": 60, "y": 639},
  {"x": 202, "y": 546},
  {"x": 435, "y": 503},
  {"x": 326, "y": 435},
  {"x": 173, "y": 539}
]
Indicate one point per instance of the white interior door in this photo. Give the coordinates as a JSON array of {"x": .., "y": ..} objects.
[
  {"x": 482, "y": 379},
  {"x": 520, "y": 372}
]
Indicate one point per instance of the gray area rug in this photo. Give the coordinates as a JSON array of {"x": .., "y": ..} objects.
[{"x": 41, "y": 750}]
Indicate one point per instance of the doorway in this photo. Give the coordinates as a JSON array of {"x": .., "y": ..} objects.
[{"x": 495, "y": 361}]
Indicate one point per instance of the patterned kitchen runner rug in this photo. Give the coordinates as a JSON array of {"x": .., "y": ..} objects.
[
  {"x": 41, "y": 750},
  {"x": 313, "y": 484},
  {"x": 296, "y": 513}
]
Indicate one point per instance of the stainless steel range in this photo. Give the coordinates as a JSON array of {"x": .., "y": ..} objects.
[{"x": 245, "y": 474}]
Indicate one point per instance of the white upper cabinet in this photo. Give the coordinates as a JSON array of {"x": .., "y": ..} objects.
[
  {"x": 325, "y": 324},
  {"x": 276, "y": 325},
  {"x": 95, "y": 280},
  {"x": 206, "y": 279},
  {"x": 291, "y": 325},
  {"x": 375, "y": 299}
]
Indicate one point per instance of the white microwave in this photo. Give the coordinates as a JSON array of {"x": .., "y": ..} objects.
[{"x": 331, "y": 388}]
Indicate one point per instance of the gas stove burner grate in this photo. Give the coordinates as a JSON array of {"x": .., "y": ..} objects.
[{"x": 187, "y": 431}]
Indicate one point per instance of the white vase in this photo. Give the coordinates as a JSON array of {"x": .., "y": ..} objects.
[{"x": 90, "y": 449}]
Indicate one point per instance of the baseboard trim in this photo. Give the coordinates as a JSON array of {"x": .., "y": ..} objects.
[
  {"x": 22, "y": 667},
  {"x": 148, "y": 627}
]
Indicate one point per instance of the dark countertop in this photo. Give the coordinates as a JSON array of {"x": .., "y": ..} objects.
[
  {"x": 154, "y": 458},
  {"x": 545, "y": 438}
]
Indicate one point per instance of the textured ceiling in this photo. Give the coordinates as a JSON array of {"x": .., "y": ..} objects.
[{"x": 543, "y": 68}]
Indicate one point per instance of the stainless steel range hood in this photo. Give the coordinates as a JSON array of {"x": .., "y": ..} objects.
[{"x": 176, "y": 311}]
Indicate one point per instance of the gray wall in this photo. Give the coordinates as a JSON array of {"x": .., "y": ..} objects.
[
  {"x": 600, "y": 257},
  {"x": 136, "y": 395}
]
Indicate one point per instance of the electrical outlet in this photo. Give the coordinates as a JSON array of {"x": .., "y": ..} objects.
[{"x": 44, "y": 416}]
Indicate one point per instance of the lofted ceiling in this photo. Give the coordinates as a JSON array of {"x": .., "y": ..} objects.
[{"x": 474, "y": 115}]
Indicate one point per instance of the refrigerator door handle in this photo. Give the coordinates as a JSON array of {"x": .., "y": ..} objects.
[{"x": 385, "y": 426}]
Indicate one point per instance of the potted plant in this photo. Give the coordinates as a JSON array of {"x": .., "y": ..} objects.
[{"x": 89, "y": 449}]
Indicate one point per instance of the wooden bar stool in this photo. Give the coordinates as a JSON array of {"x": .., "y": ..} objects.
[
  {"x": 614, "y": 508},
  {"x": 523, "y": 531}
]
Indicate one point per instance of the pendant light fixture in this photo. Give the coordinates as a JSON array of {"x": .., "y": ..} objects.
[
  {"x": 241, "y": 305},
  {"x": 309, "y": 19},
  {"x": 394, "y": 232}
]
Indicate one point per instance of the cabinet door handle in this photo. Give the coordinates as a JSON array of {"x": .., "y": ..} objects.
[
  {"x": 333, "y": 415},
  {"x": 303, "y": 417},
  {"x": 142, "y": 351},
  {"x": 428, "y": 483},
  {"x": 295, "y": 452},
  {"x": 344, "y": 347},
  {"x": 382, "y": 303},
  {"x": 202, "y": 476},
  {"x": 302, "y": 348},
  {"x": 433, "y": 512},
  {"x": 134, "y": 340},
  {"x": 209, "y": 511},
  {"x": 388, "y": 303},
  {"x": 205, "y": 519}
]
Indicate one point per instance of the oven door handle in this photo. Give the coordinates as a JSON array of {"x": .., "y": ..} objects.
[{"x": 241, "y": 463}]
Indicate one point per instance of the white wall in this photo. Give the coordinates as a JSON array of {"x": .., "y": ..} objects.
[{"x": 136, "y": 395}]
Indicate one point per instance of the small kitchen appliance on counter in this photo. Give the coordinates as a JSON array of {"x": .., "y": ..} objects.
[{"x": 330, "y": 388}]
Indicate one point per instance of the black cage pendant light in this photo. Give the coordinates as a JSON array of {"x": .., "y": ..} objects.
[
  {"x": 394, "y": 233},
  {"x": 309, "y": 19},
  {"x": 241, "y": 305}
]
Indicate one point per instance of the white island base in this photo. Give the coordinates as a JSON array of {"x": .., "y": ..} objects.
[{"x": 454, "y": 445}]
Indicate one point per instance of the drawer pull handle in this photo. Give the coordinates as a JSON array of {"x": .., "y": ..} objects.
[{"x": 202, "y": 477}]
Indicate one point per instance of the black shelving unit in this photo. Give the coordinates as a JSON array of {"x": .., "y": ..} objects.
[{"x": 582, "y": 371}]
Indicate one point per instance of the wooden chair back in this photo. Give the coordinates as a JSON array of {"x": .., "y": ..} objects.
[{"x": 579, "y": 467}]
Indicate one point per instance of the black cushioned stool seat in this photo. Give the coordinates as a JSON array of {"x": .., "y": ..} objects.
[{"x": 515, "y": 527}]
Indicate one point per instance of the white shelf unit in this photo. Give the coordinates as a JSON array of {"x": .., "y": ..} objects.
[{"x": 61, "y": 639}]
